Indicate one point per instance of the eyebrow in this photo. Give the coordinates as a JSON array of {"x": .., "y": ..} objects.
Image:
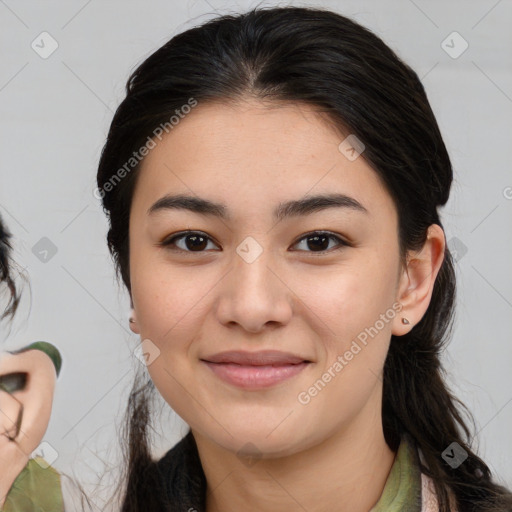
[{"x": 295, "y": 208}]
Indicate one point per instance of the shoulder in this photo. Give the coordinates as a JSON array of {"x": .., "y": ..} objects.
[
  {"x": 37, "y": 487},
  {"x": 429, "y": 501}
]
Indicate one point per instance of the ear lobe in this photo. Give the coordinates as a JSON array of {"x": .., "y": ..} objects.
[
  {"x": 417, "y": 281},
  {"x": 133, "y": 323}
]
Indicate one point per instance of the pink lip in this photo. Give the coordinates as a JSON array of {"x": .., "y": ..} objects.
[{"x": 255, "y": 370}]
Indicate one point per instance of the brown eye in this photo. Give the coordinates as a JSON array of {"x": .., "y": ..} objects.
[
  {"x": 319, "y": 241},
  {"x": 192, "y": 241}
]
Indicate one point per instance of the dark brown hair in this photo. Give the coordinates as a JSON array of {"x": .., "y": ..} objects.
[
  {"x": 323, "y": 59},
  {"x": 6, "y": 273}
]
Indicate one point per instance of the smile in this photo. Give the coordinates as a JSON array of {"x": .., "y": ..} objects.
[{"x": 257, "y": 370}]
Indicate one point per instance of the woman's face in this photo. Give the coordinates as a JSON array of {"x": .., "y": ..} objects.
[{"x": 252, "y": 281}]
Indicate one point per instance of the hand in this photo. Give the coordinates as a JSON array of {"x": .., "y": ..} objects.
[{"x": 36, "y": 399}]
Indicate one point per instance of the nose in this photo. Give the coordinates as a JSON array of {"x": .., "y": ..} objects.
[{"x": 254, "y": 294}]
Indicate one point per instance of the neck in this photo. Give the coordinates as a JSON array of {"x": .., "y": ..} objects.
[{"x": 346, "y": 472}]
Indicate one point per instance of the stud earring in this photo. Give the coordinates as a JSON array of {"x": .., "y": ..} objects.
[{"x": 405, "y": 321}]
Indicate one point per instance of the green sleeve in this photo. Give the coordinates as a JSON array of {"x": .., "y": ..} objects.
[
  {"x": 37, "y": 489},
  {"x": 50, "y": 350}
]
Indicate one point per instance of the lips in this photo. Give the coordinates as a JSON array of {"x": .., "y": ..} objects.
[
  {"x": 262, "y": 358},
  {"x": 255, "y": 370}
]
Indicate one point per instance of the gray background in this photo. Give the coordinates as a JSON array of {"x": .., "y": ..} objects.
[{"x": 54, "y": 116}]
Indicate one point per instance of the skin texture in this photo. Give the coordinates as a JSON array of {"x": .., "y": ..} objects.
[
  {"x": 295, "y": 298},
  {"x": 37, "y": 400}
]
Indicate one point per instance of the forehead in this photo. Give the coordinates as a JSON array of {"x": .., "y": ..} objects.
[
  {"x": 252, "y": 154},
  {"x": 286, "y": 132}
]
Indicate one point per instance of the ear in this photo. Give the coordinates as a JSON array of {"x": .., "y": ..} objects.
[
  {"x": 417, "y": 280},
  {"x": 134, "y": 327}
]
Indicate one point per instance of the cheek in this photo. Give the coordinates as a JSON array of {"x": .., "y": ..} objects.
[
  {"x": 168, "y": 306},
  {"x": 349, "y": 299},
  {"x": 166, "y": 296},
  {"x": 355, "y": 308},
  {"x": 356, "y": 315}
]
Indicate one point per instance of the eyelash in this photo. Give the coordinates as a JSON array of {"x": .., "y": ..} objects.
[{"x": 168, "y": 242}]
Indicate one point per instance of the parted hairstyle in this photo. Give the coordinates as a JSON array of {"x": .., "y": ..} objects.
[{"x": 320, "y": 58}]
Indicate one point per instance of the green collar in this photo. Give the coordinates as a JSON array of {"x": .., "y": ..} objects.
[{"x": 402, "y": 492}]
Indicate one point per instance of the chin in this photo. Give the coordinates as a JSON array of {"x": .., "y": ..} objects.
[{"x": 254, "y": 440}]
